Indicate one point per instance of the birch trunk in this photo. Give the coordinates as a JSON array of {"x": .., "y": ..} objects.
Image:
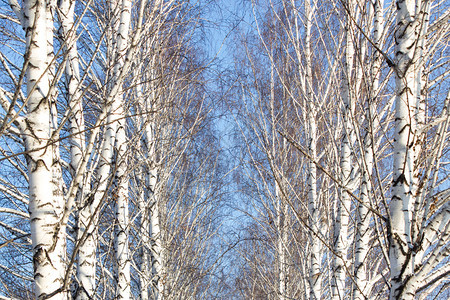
[
  {"x": 401, "y": 252},
  {"x": 315, "y": 273},
  {"x": 158, "y": 278},
  {"x": 86, "y": 257},
  {"x": 158, "y": 275},
  {"x": 122, "y": 221},
  {"x": 341, "y": 243},
  {"x": 43, "y": 207},
  {"x": 279, "y": 205},
  {"x": 282, "y": 211},
  {"x": 57, "y": 175},
  {"x": 157, "y": 254},
  {"x": 144, "y": 201},
  {"x": 144, "y": 230},
  {"x": 361, "y": 286},
  {"x": 122, "y": 225},
  {"x": 282, "y": 276}
]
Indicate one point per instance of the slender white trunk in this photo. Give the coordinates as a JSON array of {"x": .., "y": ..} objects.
[
  {"x": 144, "y": 230},
  {"x": 72, "y": 73},
  {"x": 114, "y": 138},
  {"x": 281, "y": 255},
  {"x": 281, "y": 247},
  {"x": 279, "y": 205},
  {"x": 422, "y": 20},
  {"x": 361, "y": 284},
  {"x": 401, "y": 252},
  {"x": 315, "y": 272},
  {"x": 86, "y": 257},
  {"x": 48, "y": 245},
  {"x": 157, "y": 254},
  {"x": 122, "y": 220},
  {"x": 86, "y": 268},
  {"x": 158, "y": 273},
  {"x": 341, "y": 242},
  {"x": 155, "y": 238},
  {"x": 57, "y": 175},
  {"x": 363, "y": 230}
]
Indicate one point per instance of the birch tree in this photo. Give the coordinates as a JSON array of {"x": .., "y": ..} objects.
[
  {"x": 407, "y": 233},
  {"x": 38, "y": 133}
]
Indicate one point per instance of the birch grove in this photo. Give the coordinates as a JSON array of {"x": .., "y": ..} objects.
[{"x": 274, "y": 149}]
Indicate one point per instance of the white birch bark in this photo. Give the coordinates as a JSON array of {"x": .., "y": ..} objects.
[
  {"x": 114, "y": 130},
  {"x": 87, "y": 259},
  {"x": 144, "y": 204},
  {"x": 144, "y": 231},
  {"x": 282, "y": 272},
  {"x": 72, "y": 73},
  {"x": 280, "y": 205},
  {"x": 122, "y": 221},
  {"x": 157, "y": 254},
  {"x": 315, "y": 272},
  {"x": 85, "y": 274},
  {"x": 90, "y": 213},
  {"x": 422, "y": 16},
  {"x": 43, "y": 208},
  {"x": 341, "y": 242},
  {"x": 361, "y": 285},
  {"x": 401, "y": 254},
  {"x": 57, "y": 175},
  {"x": 86, "y": 252}
]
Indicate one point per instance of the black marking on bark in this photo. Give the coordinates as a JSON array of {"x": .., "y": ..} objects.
[
  {"x": 410, "y": 46},
  {"x": 35, "y": 219},
  {"x": 403, "y": 128},
  {"x": 400, "y": 179},
  {"x": 39, "y": 163},
  {"x": 42, "y": 101},
  {"x": 398, "y": 53},
  {"x": 48, "y": 258},
  {"x": 401, "y": 34},
  {"x": 38, "y": 257},
  {"x": 29, "y": 127},
  {"x": 400, "y": 243},
  {"x": 417, "y": 246}
]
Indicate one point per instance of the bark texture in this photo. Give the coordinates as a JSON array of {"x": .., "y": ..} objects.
[{"x": 45, "y": 201}]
